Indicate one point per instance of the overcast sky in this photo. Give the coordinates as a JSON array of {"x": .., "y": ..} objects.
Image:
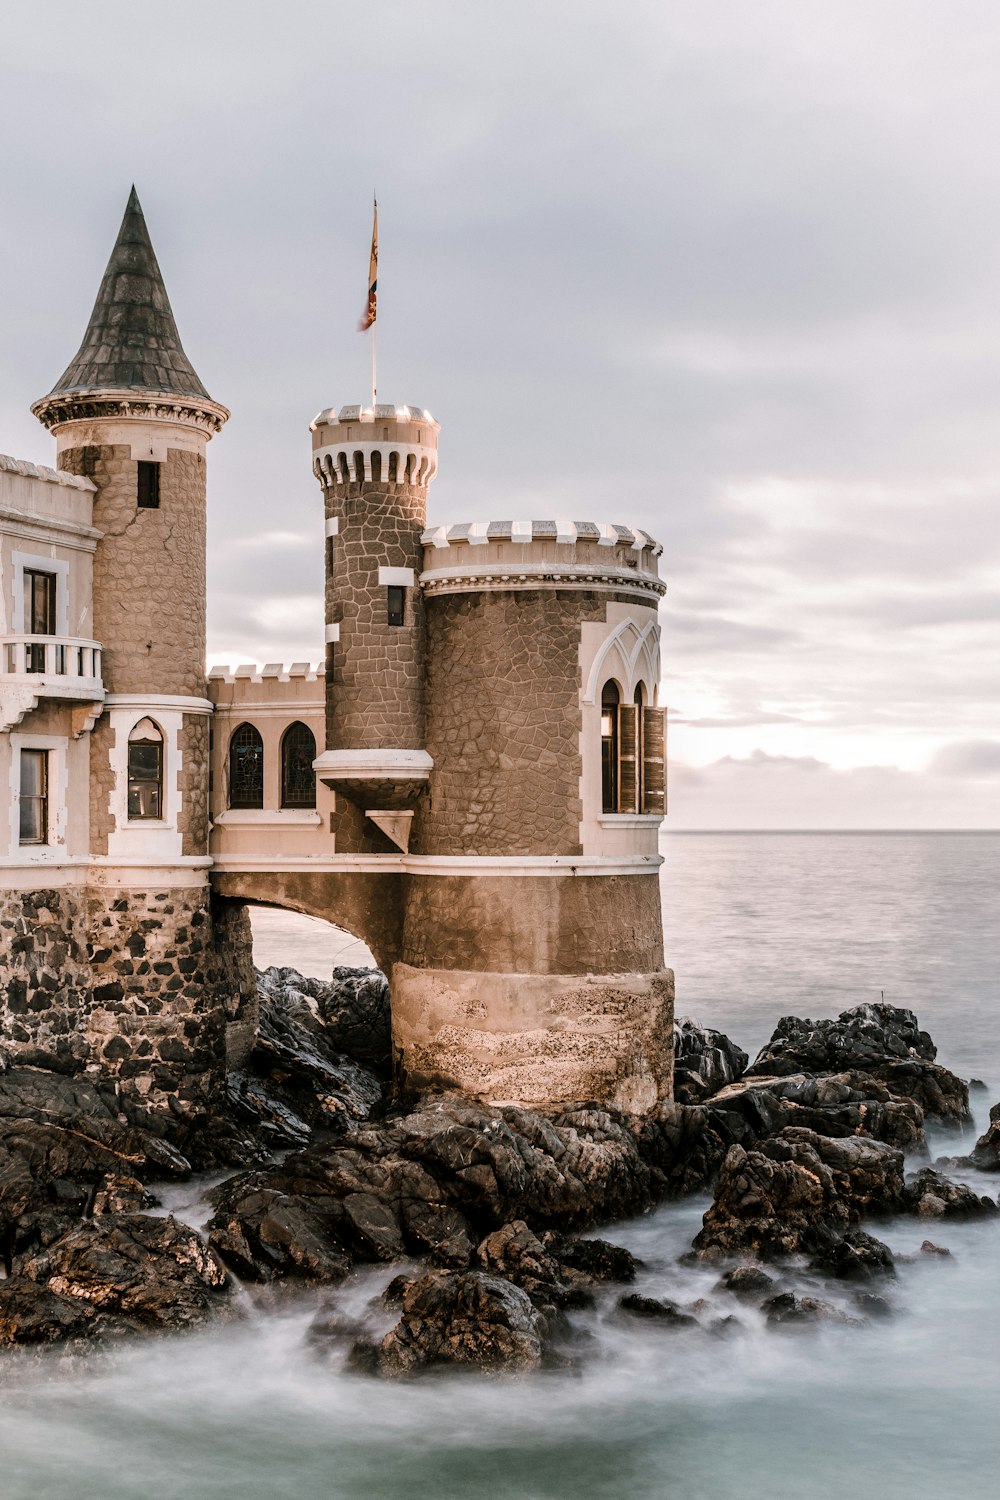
[{"x": 727, "y": 269}]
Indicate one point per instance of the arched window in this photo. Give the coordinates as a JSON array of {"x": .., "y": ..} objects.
[
  {"x": 246, "y": 768},
  {"x": 145, "y": 771},
  {"x": 298, "y": 779},
  {"x": 610, "y": 699}
]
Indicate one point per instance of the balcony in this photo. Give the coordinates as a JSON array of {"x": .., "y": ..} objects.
[{"x": 33, "y": 667}]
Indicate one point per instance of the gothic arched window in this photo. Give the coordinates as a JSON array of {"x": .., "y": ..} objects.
[
  {"x": 246, "y": 768},
  {"x": 145, "y": 771},
  {"x": 298, "y": 779},
  {"x": 610, "y": 698}
]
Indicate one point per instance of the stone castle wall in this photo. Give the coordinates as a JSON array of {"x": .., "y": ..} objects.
[
  {"x": 192, "y": 821},
  {"x": 374, "y": 674},
  {"x": 155, "y": 559},
  {"x": 503, "y": 721},
  {"x": 140, "y": 984}
]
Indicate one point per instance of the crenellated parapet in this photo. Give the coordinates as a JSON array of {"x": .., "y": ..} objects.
[
  {"x": 484, "y": 556},
  {"x": 380, "y": 444}
]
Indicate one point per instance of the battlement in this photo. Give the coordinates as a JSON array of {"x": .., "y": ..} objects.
[
  {"x": 270, "y": 672},
  {"x": 559, "y": 554},
  {"x": 382, "y": 444}
]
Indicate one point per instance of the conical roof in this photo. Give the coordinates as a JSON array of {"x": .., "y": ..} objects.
[{"x": 132, "y": 343}]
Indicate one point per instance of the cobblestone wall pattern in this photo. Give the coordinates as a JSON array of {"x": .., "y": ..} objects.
[{"x": 157, "y": 557}]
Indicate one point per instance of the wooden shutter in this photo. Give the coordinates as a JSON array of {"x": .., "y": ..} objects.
[
  {"x": 654, "y": 722},
  {"x": 628, "y": 781}
]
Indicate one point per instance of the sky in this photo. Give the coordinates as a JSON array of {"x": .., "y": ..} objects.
[{"x": 728, "y": 270}]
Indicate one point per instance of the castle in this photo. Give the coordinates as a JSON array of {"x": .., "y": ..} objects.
[{"x": 472, "y": 781}]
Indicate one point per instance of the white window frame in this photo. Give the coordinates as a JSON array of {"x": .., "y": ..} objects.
[
  {"x": 40, "y": 562},
  {"x": 54, "y": 852}
]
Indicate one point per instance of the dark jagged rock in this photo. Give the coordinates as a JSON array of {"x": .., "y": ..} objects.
[
  {"x": 137, "y": 1270},
  {"x": 424, "y": 1182},
  {"x": 789, "y": 1193},
  {"x": 63, "y": 1147},
  {"x": 837, "y": 1104},
  {"x": 986, "y": 1152},
  {"x": 296, "y": 1080},
  {"x": 687, "y": 1144},
  {"x": 750, "y": 1282},
  {"x": 353, "y": 1007},
  {"x": 856, "y": 1256},
  {"x": 264, "y": 1234},
  {"x": 880, "y": 1040},
  {"x": 789, "y": 1310},
  {"x": 515, "y": 1254},
  {"x": 933, "y": 1196},
  {"x": 31, "y": 1314},
  {"x": 860, "y": 1038},
  {"x": 653, "y": 1310},
  {"x": 596, "y": 1259},
  {"x": 460, "y": 1318},
  {"x": 928, "y": 1247},
  {"x": 704, "y": 1062}
]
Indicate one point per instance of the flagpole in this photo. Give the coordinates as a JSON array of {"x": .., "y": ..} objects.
[{"x": 374, "y": 388}]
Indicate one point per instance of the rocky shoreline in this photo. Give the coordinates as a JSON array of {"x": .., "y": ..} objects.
[{"x": 324, "y": 1169}]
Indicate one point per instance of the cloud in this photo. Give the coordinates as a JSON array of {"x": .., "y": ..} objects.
[{"x": 971, "y": 758}]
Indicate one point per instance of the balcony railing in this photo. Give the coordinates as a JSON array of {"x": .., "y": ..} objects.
[{"x": 59, "y": 664}]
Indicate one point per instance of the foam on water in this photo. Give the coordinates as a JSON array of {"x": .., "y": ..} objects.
[{"x": 904, "y": 1407}]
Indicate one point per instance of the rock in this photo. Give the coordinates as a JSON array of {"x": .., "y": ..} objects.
[
  {"x": 860, "y": 1038},
  {"x": 295, "y": 1080},
  {"x": 986, "y": 1152},
  {"x": 838, "y": 1104},
  {"x": 652, "y": 1309},
  {"x": 855, "y": 1256},
  {"x": 353, "y": 1008},
  {"x": 934, "y": 1196},
  {"x": 687, "y": 1144},
  {"x": 263, "y": 1234},
  {"x": 62, "y": 1147},
  {"x": 789, "y": 1193},
  {"x": 871, "y": 1305},
  {"x": 749, "y": 1282},
  {"x": 31, "y": 1314},
  {"x": 140, "y": 1271},
  {"x": 928, "y": 1247},
  {"x": 514, "y": 1254},
  {"x": 880, "y": 1040},
  {"x": 704, "y": 1062},
  {"x": 786, "y": 1309},
  {"x": 461, "y": 1318},
  {"x": 596, "y": 1259},
  {"x": 977, "y": 1085}
]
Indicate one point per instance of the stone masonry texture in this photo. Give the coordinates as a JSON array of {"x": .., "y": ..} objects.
[
  {"x": 503, "y": 721},
  {"x": 554, "y": 924},
  {"x": 374, "y": 682},
  {"x": 102, "y": 781},
  {"x": 138, "y": 983},
  {"x": 155, "y": 561},
  {"x": 193, "y": 817}
]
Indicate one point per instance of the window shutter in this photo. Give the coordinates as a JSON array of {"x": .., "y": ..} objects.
[
  {"x": 628, "y": 784},
  {"x": 654, "y": 721}
]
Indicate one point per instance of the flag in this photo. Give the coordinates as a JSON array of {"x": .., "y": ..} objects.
[{"x": 369, "y": 316}]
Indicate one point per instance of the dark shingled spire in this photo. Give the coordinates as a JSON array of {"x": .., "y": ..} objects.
[{"x": 132, "y": 343}]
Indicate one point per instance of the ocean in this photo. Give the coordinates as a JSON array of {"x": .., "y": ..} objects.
[{"x": 758, "y": 926}]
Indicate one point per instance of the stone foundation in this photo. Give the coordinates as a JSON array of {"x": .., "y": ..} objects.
[
  {"x": 538, "y": 1040},
  {"x": 136, "y": 984}
]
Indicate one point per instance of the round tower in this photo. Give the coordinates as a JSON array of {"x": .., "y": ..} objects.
[
  {"x": 375, "y": 465},
  {"x": 532, "y": 955},
  {"x": 131, "y": 415}
]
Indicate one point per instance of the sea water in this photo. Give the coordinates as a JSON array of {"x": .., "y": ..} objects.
[{"x": 757, "y": 926}]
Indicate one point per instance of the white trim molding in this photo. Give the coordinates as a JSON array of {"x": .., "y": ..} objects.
[{"x": 381, "y": 765}]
